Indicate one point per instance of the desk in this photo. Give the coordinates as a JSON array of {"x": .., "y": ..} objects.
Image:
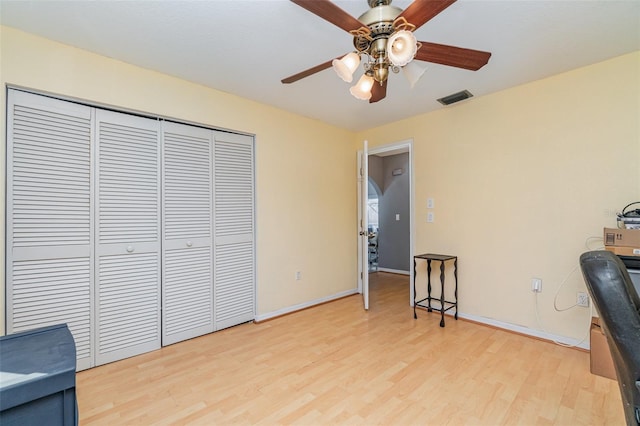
[{"x": 445, "y": 305}]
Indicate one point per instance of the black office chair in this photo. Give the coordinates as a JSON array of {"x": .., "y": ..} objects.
[{"x": 618, "y": 305}]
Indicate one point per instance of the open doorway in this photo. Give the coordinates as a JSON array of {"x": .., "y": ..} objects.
[{"x": 390, "y": 189}]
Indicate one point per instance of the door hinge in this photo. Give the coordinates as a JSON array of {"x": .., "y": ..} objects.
[
  {"x": 361, "y": 276},
  {"x": 361, "y": 171}
]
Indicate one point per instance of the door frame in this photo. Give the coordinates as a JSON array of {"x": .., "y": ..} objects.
[
  {"x": 363, "y": 245},
  {"x": 399, "y": 147}
]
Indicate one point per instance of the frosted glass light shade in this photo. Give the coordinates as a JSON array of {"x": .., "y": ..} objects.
[
  {"x": 362, "y": 90},
  {"x": 402, "y": 47},
  {"x": 413, "y": 71},
  {"x": 346, "y": 66}
]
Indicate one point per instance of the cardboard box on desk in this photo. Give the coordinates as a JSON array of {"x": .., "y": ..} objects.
[
  {"x": 624, "y": 251},
  {"x": 601, "y": 361},
  {"x": 622, "y": 237}
]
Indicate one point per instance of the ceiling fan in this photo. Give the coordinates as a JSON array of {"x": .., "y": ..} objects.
[{"x": 384, "y": 41}]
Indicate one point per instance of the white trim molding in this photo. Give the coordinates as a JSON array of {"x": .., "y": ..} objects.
[
  {"x": 393, "y": 271},
  {"x": 563, "y": 340},
  {"x": 305, "y": 305}
]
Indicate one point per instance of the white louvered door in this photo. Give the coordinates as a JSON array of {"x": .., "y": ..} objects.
[
  {"x": 133, "y": 232},
  {"x": 234, "y": 265},
  {"x": 49, "y": 239},
  {"x": 127, "y": 236},
  {"x": 187, "y": 285}
]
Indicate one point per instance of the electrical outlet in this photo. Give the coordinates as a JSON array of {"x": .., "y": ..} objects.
[
  {"x": 536, "y": 285},
  {"x": 582, "y": 299},
  {"x": 298, "y": 276}
]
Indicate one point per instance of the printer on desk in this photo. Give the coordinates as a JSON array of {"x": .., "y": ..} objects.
[{"x": 629, "y": 218}]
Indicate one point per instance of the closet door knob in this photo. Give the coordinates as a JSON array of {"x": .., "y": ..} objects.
[
  {"x": 129, "y": 249},
  {"x": 189, "y": 243}
]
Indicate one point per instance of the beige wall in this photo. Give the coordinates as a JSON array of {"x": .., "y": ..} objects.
[
  {"x": 521, "y": 179},
  {"x": 297, "y": 200}
]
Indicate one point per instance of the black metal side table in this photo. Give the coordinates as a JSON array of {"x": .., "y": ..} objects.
[{"x": 445, "y": 305}]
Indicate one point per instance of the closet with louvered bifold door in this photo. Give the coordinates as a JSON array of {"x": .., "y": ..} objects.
[
  {"x": 49, "y": 252},
  {"x": 234, "y": 289},
  {"x": 127, "y": 236},
  {"x": 188, "y": 232},
  {"x": 136, "y": 232}
]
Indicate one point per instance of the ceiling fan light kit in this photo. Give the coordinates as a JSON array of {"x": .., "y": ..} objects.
[
  {"x": 402, "y": 47},
  {"x": 362, "y": 89},
  {"x": 384, "y": 41},
  {"x": 413, "y": 71},
  {"x": 346, "y": 66}
]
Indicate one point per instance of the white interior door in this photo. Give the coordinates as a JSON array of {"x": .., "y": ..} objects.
[
  {"x": 187, "y": 250},
  {"x": 49, "y": 239},
  {"x": 234, "y": 256},
  {"x": 127, "y": 236},
  {"x": 363, "y": 225}
]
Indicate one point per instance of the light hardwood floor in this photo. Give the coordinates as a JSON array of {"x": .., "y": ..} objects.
[{"x": 335, "y": 364}]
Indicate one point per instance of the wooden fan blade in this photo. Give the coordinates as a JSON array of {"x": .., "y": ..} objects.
[
  {"x": 421, "y": 11},
  {"x": 328, "y": 11},
  {"x": 452, "y": 56},
  {"x": 378, "y": 91},
  {"x": 307, "y": 73}
]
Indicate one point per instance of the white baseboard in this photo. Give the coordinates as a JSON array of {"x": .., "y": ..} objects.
[
  {"x": 300, "y": 306},
  {"x": 527, "y": 331},
  {"x": 394, "y": 271},
  {"x": 475, "y": 318}
]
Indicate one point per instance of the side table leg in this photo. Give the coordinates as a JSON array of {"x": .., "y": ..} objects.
[
  {"x": 442, "y": 294},
  {"x": 455, "y": 275},
  {"x": 429, "y": 285}
]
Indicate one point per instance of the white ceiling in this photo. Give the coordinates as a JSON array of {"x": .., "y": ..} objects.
[{"x": 246, "y": 47}]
